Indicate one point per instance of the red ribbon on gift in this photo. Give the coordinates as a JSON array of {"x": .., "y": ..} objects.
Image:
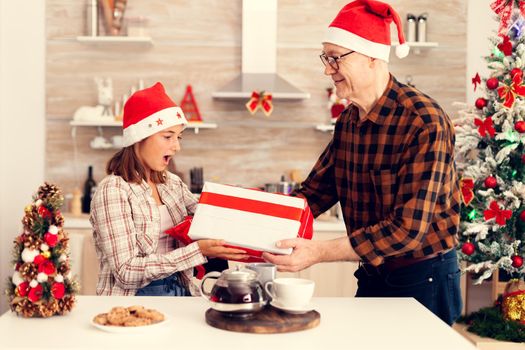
[
  {"x": 508, "y": 93},
  {"x": 495, "y": 211},
  {"x": 260, "y": 100},
  {"x": 485, "y": 126},
  {"x": 503, "y": 8},
  {"x": 466, "y": 185}
]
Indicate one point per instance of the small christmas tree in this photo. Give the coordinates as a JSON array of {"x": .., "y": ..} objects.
[{"x": 41, "y": 285}]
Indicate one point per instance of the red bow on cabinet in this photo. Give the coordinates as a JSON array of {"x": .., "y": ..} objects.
[
  {"x": 261, "y": 100},
  {"x": 485, "y": 126},
  {"x": 467, "y": 186},
  {"x": 503, "y": 8},
  {"x": 495, "y": 211},
  {"x": 508, "y": 93}
]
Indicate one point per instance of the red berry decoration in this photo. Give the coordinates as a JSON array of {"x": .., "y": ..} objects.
[
  {"x": 517, "y": 261},
  {"x": 481, "y": 103},
  {"x": 468, "y": 248},
  {"x": 516, "y": 71},
  {"x": 520, "y": 126},
  {"x": 522, "y": 216},
  {"x": 492, "y": 83},
  {"x": 491, "y": 182}
]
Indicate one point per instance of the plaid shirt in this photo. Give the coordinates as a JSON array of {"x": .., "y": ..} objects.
[
  {"x": 395, "y": 176},
  {"x": 126, "y": 230}
]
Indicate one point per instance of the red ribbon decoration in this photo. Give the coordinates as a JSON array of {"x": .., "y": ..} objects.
[
  {"x": 485, "y": 126},
  {"x": 505, "y": 46},
  {"x": 476, "y": 80},
  {"x": 467, "y": 186},
  {"x": 261, "y": 100},
  {"x": 503, "y": 8},
  {"x": 508, "y": 93},
  {"x": 496, "y": 212}
]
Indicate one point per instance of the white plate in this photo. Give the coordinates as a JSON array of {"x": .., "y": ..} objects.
[
  {"x": 292, "y": 310},
  {"x": 121, "y": 329}
]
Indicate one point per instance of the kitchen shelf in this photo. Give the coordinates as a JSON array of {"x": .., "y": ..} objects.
[
  {"x": 196, "y": 126},
  {"x": 115, "y": 39}
]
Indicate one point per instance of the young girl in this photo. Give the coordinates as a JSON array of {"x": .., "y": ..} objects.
[{"x": 139, "y": 200}]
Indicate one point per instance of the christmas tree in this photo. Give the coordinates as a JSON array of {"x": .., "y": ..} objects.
[{"x": 41, "y": 285}]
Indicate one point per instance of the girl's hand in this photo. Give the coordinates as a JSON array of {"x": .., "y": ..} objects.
[{"x": 215, "y": 248}]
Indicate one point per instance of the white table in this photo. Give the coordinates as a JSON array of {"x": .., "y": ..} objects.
[{"x": 346, "y": 323}]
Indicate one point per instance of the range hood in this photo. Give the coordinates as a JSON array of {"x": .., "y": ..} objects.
[{"x": 259, "y": 54}]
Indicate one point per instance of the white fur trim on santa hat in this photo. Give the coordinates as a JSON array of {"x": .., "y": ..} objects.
[
  {"x": 148, "y": 126},
  {"x": 402, "y": 50},
  {"x": 356, "y": 43}
]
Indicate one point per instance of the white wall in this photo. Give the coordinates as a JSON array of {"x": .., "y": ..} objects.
[
  {"x": 22, "y": 122},
  {"x": 481, "y": 25}
]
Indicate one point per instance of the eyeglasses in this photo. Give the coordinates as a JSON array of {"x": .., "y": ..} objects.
[{"x": 332, "y": 60}]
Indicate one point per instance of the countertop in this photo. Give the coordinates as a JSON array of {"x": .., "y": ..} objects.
[{"x": 346, "y": 323}]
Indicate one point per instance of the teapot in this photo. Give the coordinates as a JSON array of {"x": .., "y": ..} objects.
[{"x": 236, "y": 291}]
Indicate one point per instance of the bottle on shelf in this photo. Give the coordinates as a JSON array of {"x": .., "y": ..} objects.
[
  {"x": 90, "y": 187},
  {"x": 91, "y": 18}
]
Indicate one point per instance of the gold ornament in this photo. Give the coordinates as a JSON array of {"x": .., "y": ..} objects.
[
  {"x": 513, "y": 304},
  {"x": 28, "y": 209},
  {"x": 48, "y": 309},
  {"x": 46, "y": 254},
  {"x": 28, "y": 270}
]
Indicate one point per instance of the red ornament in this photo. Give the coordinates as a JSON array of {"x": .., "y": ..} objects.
[
  {"x": 39, "y": 259},
  {"x": 516, "y": 71},
  {"x": 517, "y": 261},
  {"x": 522, "y": 216},
  {"x": 468, "y": 248},
  {"x": 491, "y": 182},
  {"x": 492, "y": 83},
  {"x": 51, "y": 239},
  {"x": 481, "y": 103},
  {"x": 58, "y": 290},
  {"x": 47, "y": 267},
  {"x": 520, "y": 126},
  {"x": 23, "y": 288},
  {"x": 35, "y": 293},
  {"x": 44, "y": 212}
]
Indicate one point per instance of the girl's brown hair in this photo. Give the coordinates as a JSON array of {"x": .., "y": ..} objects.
[{"x": 127, "y": 165}]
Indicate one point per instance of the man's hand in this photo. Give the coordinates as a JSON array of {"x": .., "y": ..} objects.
[
  {"x": 305, "y": 253},
  {"x": 215, "y": 248}
]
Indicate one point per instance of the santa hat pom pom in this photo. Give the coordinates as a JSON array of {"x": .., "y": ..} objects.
[{"x": 402, "y": 50}]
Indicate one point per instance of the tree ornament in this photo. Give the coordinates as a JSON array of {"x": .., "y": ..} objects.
[
  {"x": 517, "y": 261},
  {"x": 491, "y": 182},
  {"x": 523, "y": 159},
  {"x": 492, "y": 83},
  {"x": 23, "y": 289},
  {"x": 481, "y": 103},
  {"x": 516, "y": 71},
  {"x": 35, "y": 293},
  {"x": 468, "y": 248},
  {"x": 58, "y": 290},
  {"x": 522, "y": 216},
  {"x": 51, "y": 239},
  {"x": 519, "y": 126},
  {"x": 47, "y": 267},
  {"x": 494, "y": 211},
  {"x": 46, "y": 254},
  {"x": 44, "y": 212},
  {"x": 39, "y": 259}
]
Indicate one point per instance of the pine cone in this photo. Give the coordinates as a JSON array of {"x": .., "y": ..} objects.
[
  {"x": 58, "y": 220},
  {"x": 48, "y": 309},
  {"x": 51, "y": 195},
  {"x": 66, "y": 304},
  {"x": 63, "y": 269},
  {"x": 29, "y": 271},
  {"x": 24, "y": 307},
  {"x": 32, "y": 242}
]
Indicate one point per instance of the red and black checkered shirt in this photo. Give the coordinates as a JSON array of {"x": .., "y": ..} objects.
[{"x": 395, "y": 176}]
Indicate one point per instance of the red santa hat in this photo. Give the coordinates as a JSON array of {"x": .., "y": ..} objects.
[
  {"x": 149, "y": 111},
  {"x": 364, "y": 26}
]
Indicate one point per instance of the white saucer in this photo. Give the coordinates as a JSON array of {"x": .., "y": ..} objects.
[{"x": 292, "y": 310}]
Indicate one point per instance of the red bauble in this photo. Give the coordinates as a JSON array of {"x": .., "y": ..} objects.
[
  {"x": 23, "y": 288},
  {"x": 492, "y": 83},
  {"x": 516, "y": 71},
  {"x": 39, "y": 259},
  {"x": 468, "y": 248},
  {"x": 517, "y": 261},
  {"x": 35, "y": 293},
  {"x": 51, "y": 239},
  {"x": 58, "y": 290},
  {"x": 522, "y": 216},
  {"x": 44, "y": 212},
  {"x": 47, "y": 267},
  {"x": 481, "y": 103},
  {"x": 491, "y": 182},
  {"x": 520, "y": 126}
]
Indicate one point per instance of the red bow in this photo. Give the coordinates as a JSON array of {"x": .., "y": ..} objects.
[
  {"x": 467, "y": 185},
  {"x": 508, "y": 93},
  {"x": 496, "y": 212},
  {"x": 503, "y": 8},
  {"x": 485, "y": 126},
  {"x": 476, "y": 80},
  {"x": 260, "y": 100},
  {"x": 505, "y": 46}
]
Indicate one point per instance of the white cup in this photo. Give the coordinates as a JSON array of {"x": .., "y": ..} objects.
[
  {"x": 291, "y": 292},
  {"x": 266, "y": 272}
]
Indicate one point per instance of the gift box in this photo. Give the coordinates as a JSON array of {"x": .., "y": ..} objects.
[{"x": 250, "y": 219}]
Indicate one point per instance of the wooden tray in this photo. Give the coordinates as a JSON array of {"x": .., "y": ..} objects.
[{"x": 268, "y": 320}]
